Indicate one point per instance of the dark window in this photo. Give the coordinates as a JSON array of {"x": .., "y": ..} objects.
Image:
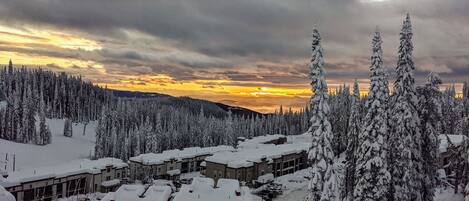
[
  {"x": 28, "y": 195},
  {"x": 108, "y": 178},
  {"x": 82, "y": 183},
  {"x": 48, "y": 191},
  {"x": 108, "y": 169},
  {"x": 278, "y": 166},
  {"x": 118, "y": 175},
  {"x": 59, "y": 189}
]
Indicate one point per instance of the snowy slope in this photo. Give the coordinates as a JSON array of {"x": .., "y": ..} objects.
[{"x": 62, "y": 149}]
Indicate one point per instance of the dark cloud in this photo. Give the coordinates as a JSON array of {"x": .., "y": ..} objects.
[{"x": 225, "y": 36}]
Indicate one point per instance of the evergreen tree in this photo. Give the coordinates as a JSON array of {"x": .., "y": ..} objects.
[
  {"x": 372, "y": 176},
  {"x": 405, "y": 140},
  {"x": 44, "y": 132},
  {"x": 353, "y": 131},
  {"x": 430, "y": 116},
  {"x": 68, "y": 128},
  {"x": 323, "y": 183}
]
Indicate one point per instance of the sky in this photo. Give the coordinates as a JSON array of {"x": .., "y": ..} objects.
[{"x": 249, "y": 53}]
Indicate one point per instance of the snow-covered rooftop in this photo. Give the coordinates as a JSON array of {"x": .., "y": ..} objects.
[
  {"x": 5, "y": 195},
  {"x": 246, "y": 157},
  {"x": 455, "y": 140},
  {"x": 133, "y": 192},
  {"x": 255, "y": 141},
  {"x": 176, "y": 154},
  {"x": 63, "y": 170},
  {"x": 202, "y": 189}
]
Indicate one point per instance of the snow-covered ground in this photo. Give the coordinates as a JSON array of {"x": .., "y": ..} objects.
[{"x": 61, "y": 150}]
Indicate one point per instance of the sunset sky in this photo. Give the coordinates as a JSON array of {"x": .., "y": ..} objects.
[{"x": 250, "y": 53}]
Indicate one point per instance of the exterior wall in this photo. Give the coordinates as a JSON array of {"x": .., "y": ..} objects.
[
  {"x": 216, "y": 170},
  {"x": 54, "y": 188},
  {"x": 286, "y": 164},
  {"x": 172, "y": 165}
]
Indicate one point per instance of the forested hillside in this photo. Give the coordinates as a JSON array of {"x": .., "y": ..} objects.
[{"x": 31, "y": 95}]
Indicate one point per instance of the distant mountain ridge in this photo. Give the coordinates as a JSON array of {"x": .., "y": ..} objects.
[{"x": 210, "y": 107}]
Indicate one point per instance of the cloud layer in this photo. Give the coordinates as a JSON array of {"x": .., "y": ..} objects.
[{"x": 228, "y": 50}]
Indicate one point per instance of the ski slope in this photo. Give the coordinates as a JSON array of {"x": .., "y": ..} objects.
[{"x": 61, "y": 150}]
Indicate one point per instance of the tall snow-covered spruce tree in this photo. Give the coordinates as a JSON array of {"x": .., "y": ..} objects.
[
  {"x": 405, "y": 140},
  {"x": 430, "y": 116},
  {"x": 352, "y": 136},
  {"x": 371, "y": 173},
  {"x": 323, "y": 184}
]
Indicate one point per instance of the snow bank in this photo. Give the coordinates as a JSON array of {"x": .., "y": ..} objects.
[
  {"x": 265, "y": 178},
  {"x": 176, "y": 154}
]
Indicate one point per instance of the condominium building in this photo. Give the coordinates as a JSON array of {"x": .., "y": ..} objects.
[{"x": 73, "y": 178}]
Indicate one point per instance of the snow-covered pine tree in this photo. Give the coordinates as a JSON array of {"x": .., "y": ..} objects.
[
  {"x": 44, "y": 132},
  {"x": 372, "y": 177},
  {"x": 405, "y": 140},
  {"x": 323, "y": 182},
  {"x": 150, "y": 137},
  {"x": 100, "y": 135},
  {"x": 465, "y": 98},
  {"x": 430, "y": 116},
  {"x": 352, "y": 144},
  {"x": 229, "y": 130},
  {"x": 68, "y": 128}
]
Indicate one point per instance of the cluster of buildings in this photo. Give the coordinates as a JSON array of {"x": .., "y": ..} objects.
[
  {"x": 171, "y": 163},
  {"x": 252, "y": 161}
]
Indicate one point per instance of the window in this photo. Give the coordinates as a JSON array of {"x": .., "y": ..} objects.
[
  {"x": 278, "y": 166},
  {"x": 59, "y": 188},
  {"x": 118, "y": 175},
  {"x": 48, "y": 191},
  {"x": 170, "y": 168},
  {"x": 108, "y": 178},
  {"x": 108, "y": 169},
  {"x": 28, "y": 194}
]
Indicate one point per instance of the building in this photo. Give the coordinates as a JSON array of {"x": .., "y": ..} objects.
[
  {"x": 203, "y": 189},
  {"x": 248, "y": 164},
  {"x": 451, "y": 148},
  {"x": 73, "y": 178},
  {"x": 139, "y": 192},
  {"x": 171, "y": 163}
]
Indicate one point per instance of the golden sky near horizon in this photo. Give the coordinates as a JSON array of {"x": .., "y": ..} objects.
[
  {"x": 260, "y": 96},
  {"x": 265, "y": 69}
]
